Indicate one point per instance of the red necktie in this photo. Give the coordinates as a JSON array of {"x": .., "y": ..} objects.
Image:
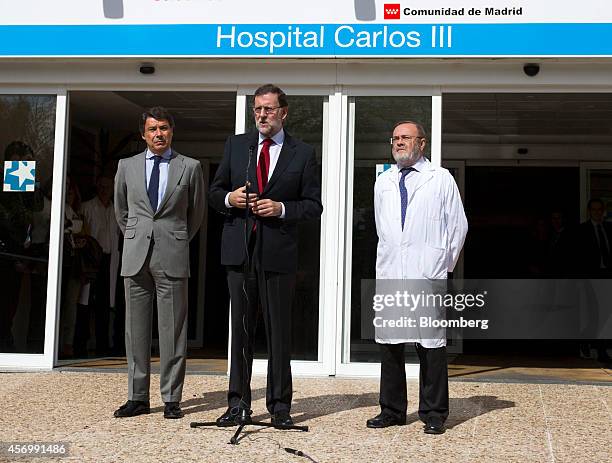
[{"x": 263, "y": 165}]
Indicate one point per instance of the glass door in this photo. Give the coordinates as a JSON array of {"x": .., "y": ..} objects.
[
  {"x": 307, "y": 120},
  {"x": 457, "y": 170},
  {"x": 92, "y": 306},
  {"x": 596, "y": 183},
  {"x": 370, "y": 124},
  {"x": 32, "y": 145}
]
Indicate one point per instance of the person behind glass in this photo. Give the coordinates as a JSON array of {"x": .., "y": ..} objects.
[
  {"x": 159, "y": 206},
  {"x": 594, "y": 260},
  {"x": 558, "y": 245},
  {"x": 74, "y": 231},
  {"x": 284, "y": 190},
  {"x": 405, "y": 198},
  {"x": 15, "y": 219},
  {"x": 99, "y": 215}
]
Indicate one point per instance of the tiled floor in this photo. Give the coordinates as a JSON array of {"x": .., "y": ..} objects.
[
  {"x": 495, "y": 368},
  {"x": 497, "y": 422}
]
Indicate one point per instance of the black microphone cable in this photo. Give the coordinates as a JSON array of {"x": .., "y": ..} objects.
[
  {"x": 236, "y": 410},
  {"x": 297, "y": 453}
]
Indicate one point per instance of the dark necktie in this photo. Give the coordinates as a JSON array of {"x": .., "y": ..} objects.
[
  {"x": 153, "y": 190},
  {"x": 263, "y": 165},
  {"x": 404, "y": 192},
  {"x": 603, "y": 245}
]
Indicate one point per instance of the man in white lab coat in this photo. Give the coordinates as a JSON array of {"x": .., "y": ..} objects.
[{"x": 421, "y": 228}]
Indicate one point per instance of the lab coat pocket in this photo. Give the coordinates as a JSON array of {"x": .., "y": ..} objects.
[
  {"x": 434, "y": 208},
  {"x": 435, "y": 233},
  {"x": 434, "y": 263}
]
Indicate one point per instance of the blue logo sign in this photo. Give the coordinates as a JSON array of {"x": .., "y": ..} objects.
[
  {"x": 19, "y": 175},
  {"x": 313, "y": 40},
  {"x": 380, "y": 168}
]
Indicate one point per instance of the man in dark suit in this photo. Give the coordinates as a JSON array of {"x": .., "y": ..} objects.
[
  {"x": 283, "y": 190},
  {"x": 593, "y": 259},
  {"x": 159, "y": 206},
  {"x": 595, "y": 239}
]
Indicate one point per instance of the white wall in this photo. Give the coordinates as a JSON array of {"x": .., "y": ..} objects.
[{"x": 381, "y": 75}]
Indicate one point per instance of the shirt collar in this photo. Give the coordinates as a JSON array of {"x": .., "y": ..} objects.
[
  {"x": 419, "y": 166},
  {"x": 278, "y": 139},
  {"x": 167, "y": 154}
]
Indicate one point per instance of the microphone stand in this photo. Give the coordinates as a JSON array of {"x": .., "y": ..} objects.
[{"x": 242, "y": 413}]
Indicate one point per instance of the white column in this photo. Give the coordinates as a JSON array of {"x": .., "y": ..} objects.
[{"x": 436, "y": 128}]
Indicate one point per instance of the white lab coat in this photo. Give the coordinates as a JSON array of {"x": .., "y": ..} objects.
[{"x": 434, "y": 232}]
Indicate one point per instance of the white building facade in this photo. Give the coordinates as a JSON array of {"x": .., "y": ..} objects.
[{"x": 515, "y": 88}]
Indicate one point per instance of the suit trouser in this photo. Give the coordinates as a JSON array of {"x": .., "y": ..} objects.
[
  {"x": 433, "y": 382},
  {"x": 274, "y": 291},
  {"x": 119, "y": 321},
  {"x": 171, "y": 295}
]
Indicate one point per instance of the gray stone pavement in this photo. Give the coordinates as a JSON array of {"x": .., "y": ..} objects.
[{"x": 496, "y": 422}]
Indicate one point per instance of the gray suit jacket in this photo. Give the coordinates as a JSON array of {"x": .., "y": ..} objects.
[{"x": 176, "y": 221}]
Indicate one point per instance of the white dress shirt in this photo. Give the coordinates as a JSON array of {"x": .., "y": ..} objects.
[
  {"x": 163, "y": 172},
  {"x": 275, "y": 150},
  {"x": 102, "y": 224}
]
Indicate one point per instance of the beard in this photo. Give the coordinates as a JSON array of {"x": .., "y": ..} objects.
[{"x": 407, "y": 158}]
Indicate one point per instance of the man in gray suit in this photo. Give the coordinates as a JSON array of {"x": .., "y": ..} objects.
[{"x": 159, "y": 205}]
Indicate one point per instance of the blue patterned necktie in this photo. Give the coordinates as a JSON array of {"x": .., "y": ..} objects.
[
  {"x": 404, "y": 192},
  {"x": 153, "y": 190}
]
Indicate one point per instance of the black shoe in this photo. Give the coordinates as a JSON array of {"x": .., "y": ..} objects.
[
  {"x": 173, "y": 411},
  {"x": 433, "y": 427},
  {"x": 133, "y": 408},
  {"x": 384, "y": 420},
  {"x": 234, "y": 416},
  {"x": 282, "y": 418}
]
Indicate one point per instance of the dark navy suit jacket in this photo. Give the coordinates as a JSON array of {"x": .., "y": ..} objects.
[{"x": 294, "y": 182}]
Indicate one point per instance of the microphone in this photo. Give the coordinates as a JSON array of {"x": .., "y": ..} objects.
[
  {"x": 246, "y": 189},
  {"x": 246, "y": 177},
  {"x": 247, "y": 184}
]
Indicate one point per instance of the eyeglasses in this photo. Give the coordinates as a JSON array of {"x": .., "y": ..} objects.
[
  {"x": 404, "y": 138},
  {"x": 265, "y": 110}
]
